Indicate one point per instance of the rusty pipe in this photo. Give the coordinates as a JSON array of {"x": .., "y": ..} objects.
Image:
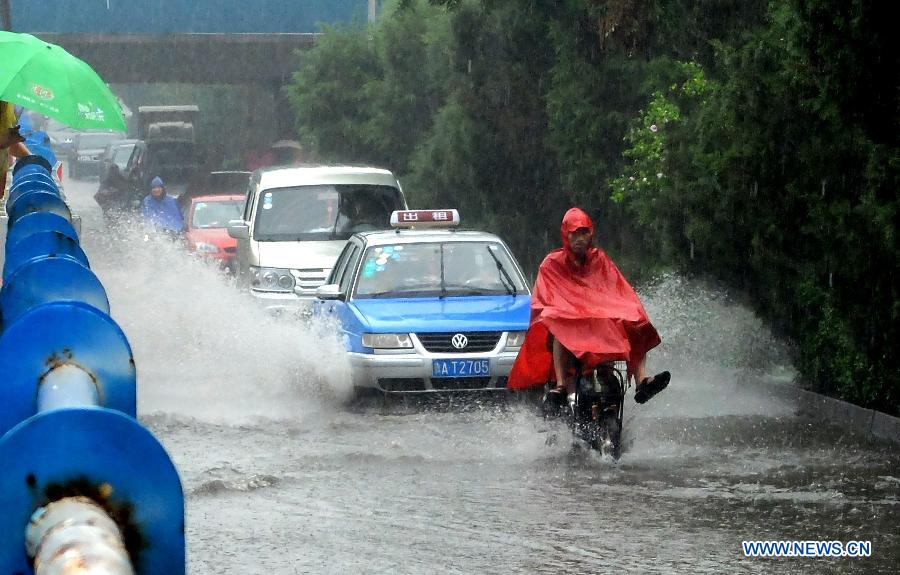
[{"x": 74, "y": 535}]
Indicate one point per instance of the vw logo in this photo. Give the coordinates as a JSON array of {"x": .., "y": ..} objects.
[{"x": 459, "y": 341}]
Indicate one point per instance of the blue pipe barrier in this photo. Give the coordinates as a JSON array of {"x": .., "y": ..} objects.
[
  {"x": 39, "y": 245},
  {"x": 82, "y": 484},
  {"x": 37, "y": 201},
  {"x": 39, "y": 222}
]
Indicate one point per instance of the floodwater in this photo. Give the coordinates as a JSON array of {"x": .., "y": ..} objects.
[{"x": 281, "y": 478}]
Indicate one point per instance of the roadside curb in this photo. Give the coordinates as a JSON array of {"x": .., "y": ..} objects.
[{"x": 821, "y": 407}]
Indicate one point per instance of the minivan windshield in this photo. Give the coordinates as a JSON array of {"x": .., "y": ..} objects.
[{"x": 323, "y": 212}]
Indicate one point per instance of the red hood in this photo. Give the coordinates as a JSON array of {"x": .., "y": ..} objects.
[
  {"x": 575, "y": 218},
  {"x": 591, "y": 309}
]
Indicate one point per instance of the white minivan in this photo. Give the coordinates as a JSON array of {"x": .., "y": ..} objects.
[{"x": 296, "y": 221}]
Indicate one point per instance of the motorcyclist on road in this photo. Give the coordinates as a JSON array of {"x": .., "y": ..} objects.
[
  {"x": 160, "y": 209},
  {"x": 114, "y": 196},
  {"x": 583, "y": 309}
]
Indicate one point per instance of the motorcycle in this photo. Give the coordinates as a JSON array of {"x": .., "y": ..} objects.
[{"x": 594, "y": 412}]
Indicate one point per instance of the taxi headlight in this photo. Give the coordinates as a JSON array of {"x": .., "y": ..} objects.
[
  {"x": 386, "y": 340},
  {"x": 515, "y": 339},
  {"x": 271, "y": 279}
]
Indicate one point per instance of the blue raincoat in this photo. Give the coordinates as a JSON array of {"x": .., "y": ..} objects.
[{"x": 162, "y": 212}]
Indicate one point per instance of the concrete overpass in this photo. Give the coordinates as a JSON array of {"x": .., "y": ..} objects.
[
  {"x": 216, "y": 58},
  {"x": 264, "y": 60},
  {"x": 188, "y": 41}
]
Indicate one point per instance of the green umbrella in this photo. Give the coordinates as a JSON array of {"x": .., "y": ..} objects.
[{"x": 46, "y": 79}]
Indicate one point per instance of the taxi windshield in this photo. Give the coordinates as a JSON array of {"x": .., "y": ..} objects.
[
  {"x": 323, "y": 212},
  {"x": 438, "y": 269}
]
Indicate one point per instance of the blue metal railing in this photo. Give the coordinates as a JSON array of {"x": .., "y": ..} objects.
[{"x": 80, "y": 478}]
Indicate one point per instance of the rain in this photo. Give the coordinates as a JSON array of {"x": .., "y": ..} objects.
[{"x": 504, "y": 115}]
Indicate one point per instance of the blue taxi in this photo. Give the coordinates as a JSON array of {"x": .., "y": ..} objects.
[{"x": 427, "y": 307}]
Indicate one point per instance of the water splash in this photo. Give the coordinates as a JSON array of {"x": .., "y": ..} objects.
[
  {"x": 204, "y": 348},
  {"x": 716, "y": 350},
  {"x": 704, "y": 325}
]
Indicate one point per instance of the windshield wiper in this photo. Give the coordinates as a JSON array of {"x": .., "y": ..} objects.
[
  {"x": 379, "y": 294},
  {"x": 504, "y": 275},
  {"x": 462, "y": 289},
  {"x": 398, "y": 293}
]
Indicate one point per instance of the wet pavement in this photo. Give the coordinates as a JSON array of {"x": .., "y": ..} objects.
[{"x": 281, "y": 477}]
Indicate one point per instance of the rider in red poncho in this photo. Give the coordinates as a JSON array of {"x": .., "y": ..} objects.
[{"x": 582, "y": 307}]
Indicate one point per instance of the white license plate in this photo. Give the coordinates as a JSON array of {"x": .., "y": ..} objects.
[{"x": 460, "y": 367}]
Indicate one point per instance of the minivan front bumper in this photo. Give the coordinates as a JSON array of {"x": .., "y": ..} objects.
[{"x": 279, "y": 303}]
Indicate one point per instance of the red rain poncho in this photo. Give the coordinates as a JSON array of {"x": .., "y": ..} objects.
[{"x": 591, "y": 309}]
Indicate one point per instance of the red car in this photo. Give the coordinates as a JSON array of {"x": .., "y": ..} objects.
[{"x": 206, "y": 220}]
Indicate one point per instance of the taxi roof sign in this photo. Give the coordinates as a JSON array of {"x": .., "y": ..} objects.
[{"x": 424, "y": 218}]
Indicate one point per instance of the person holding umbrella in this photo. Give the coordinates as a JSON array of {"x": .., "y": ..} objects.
[
  {"x": 11, "y": 142},
  {"x": 46, "y": 79}
]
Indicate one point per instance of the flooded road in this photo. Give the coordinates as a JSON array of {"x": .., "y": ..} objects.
[{"x": 281, "y": 478}]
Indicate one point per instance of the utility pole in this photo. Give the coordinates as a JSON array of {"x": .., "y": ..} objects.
[
  {"x": 373, "y": 10},
  {"x": 6, "y": 15}
]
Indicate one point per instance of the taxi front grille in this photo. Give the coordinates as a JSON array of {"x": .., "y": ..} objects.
[
  {"x": 475, "y": 341},
  {"x": 449, "y": 383},
  {"x": 398, "y": 384},
  {"x": 401, "y": 384}
]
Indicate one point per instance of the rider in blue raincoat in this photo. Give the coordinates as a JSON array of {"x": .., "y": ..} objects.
[{"x": 161, "y": 209}]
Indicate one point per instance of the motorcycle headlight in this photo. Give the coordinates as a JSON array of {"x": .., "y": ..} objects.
[
  {"x": 515, "y": 339},
  {"x": 205, "y": 248},
  {"x": 386, "y": 340},
  {"x": 271, "y": 279}
]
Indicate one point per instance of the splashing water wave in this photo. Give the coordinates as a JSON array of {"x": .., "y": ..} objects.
[{"x": 205, "y": 349}]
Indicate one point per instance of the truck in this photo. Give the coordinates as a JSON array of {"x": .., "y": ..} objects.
[
  {"x": 172, "y": 123},
  {"x": 167, "y": 148}
]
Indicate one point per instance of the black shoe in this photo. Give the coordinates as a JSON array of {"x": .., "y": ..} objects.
[
  {"x": 651, "y": 386},
  {"x": 554, "y": 399}
]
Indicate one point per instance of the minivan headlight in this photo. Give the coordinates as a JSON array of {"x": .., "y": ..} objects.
[
  {"x": 386, "y": 340},
  {"x": 271, "y": 279},
  {"x": 515, "y": 339}
]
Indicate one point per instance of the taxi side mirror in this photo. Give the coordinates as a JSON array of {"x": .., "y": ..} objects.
[
  {"x": 329, "y": 292},
  {"x": 238, "y": 230}
]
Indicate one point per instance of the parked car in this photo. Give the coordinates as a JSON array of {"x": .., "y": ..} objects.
[
  {"x": 87, "y": 149},
  {"x": 62, "y": 138},
  {"x": 426, "y": 310},
  {"x": 216, "y": 183},
  {"x": 297, "y": 220},
  {"x": 206, "y": 220}
]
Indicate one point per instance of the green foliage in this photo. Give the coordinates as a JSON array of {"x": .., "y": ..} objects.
[
  {"x": 333, "y": 95},
  {"x": 785, "y": 191}
]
